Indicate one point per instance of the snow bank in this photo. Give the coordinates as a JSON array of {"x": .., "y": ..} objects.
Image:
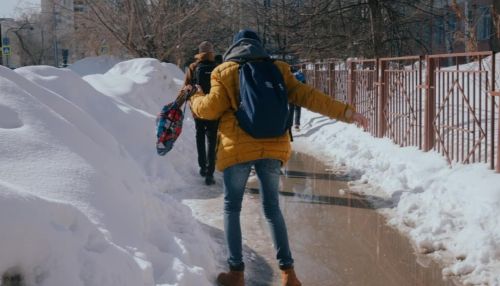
[
  {"x": 449, "y": 213},
  {"x": 52, "y": 243},
  {"x": 80, "y": 202},
  {"x": 94, "y": 65},
  {"x": 143, "y": 83}
]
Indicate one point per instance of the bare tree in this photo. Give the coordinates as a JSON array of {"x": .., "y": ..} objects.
[
  {"x": 31, "y": 37},
  {"x": 171, "y": 29}
]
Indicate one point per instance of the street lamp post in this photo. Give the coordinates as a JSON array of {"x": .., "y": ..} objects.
[
  {"x": 1, "y": 46},
  {"x": 56, "y": 54}
]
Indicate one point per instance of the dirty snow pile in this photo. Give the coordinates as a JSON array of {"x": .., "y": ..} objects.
[
  {"x": 449, "y": 213},
  {"x": 82, "y": 197}
]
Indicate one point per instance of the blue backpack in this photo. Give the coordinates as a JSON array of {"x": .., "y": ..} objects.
[{"x": 263, "y": 110}]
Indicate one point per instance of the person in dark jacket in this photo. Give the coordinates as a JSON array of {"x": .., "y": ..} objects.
[
  {"x": 205, "y": 129},
  {"x": 218, "y": 59}
]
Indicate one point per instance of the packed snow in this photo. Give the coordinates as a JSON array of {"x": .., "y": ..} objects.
[{"x": 84, "y": 196}]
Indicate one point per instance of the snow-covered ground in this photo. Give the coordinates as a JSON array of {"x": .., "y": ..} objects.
[{"x": 84, "y": 197}]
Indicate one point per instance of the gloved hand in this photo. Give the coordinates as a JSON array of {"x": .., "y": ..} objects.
[
  {"x": 190, "y": 90},
  {"x": 184, "y": 94},
  {"x": 360, "y": 120}
]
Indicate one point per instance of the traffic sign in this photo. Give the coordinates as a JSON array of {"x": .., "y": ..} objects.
[
  {"x": 5, "y": 41},
  {"x": 6, "y": 50},
  {"x": 104, "y": 49}
]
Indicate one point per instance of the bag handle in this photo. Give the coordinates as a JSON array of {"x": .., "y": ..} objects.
[{"x": 183, "y": 97}]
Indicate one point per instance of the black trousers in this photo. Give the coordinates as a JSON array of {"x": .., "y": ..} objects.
[{"x": 206, "y": 148}]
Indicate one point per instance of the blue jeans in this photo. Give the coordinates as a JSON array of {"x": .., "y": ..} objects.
[{"x": 235, "y": 179}]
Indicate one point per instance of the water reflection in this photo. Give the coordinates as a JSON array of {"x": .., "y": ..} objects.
[
  {"x": 319, "y": 176},
  {"x": 338, "y": 238}
]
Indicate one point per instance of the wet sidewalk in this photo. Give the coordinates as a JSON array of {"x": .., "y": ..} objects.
[{"x": 337, "y": 237}]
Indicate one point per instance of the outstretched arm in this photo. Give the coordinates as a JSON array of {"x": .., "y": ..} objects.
[
  {"x": 360, "y": 120},
  {"x": 307, "y": 96}
]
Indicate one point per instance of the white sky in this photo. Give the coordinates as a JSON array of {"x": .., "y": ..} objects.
[{"x": 11, "y": 8}]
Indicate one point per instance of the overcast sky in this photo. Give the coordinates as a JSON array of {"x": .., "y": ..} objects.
[{"x": 8, "y": 7}]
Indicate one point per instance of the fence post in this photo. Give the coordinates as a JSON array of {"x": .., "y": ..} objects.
[
  {"x": 331, "y": 78},
  {"x": 493, "y": 74},
  {"x": 430, "y": 105},
  {"x": 421, "y": 133},
  {"x": 315, "y": 75},
  {"x": 491, "y": 88},
  {"x": 382, "y": 98},
  {"x": 351, "y": 87}
]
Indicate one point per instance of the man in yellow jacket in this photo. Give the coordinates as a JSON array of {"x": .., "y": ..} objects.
[{"x": 238, "y": 151}]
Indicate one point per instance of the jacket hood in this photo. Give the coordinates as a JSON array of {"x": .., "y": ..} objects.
[
  {"x": 245, "y": 49},
  {"x": 246, "y": 33}
]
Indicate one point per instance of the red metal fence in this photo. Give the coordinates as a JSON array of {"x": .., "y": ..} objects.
[
  {"x": 447, "y": 103},
  {"x": 401, "y": 101},
  {"x": 362, "y": 90}
]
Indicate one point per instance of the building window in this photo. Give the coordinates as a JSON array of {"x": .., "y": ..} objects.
[
  {"x": 365, "y": 11},
  {"x": 452, "y": 22},
  {"x": 79, "y": 8},
  {"x": 484, "y": 24},
  {"x": 299, "y": 3},
  {"x": 439, "y": 30}
]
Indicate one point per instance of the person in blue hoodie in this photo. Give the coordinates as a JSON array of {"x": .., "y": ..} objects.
[{"x": 296, "y": 109}]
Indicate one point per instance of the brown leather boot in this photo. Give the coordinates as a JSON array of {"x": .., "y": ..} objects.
[
  {"x": 289, "y": 278},
  {"x": 231, "y": 278}
]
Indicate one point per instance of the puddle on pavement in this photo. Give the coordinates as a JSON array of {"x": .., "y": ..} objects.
[{"x": 337, "y": 237}]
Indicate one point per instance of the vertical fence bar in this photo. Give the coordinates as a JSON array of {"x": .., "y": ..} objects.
[
  {"x": 374, "y": 99},
  {"x": 420, "y": 107},
  {"x": 493, "y": 74},
  {"x": 381, "y": 99},
  {"x": 480, "y": 113},
  {"x": 430, "y": 106},
  {"x": 315, "y": 75},
  {"x": 331, "y": 79},
  {"x": 351, "y": 84},
  {"x": 490, "y": 92}
]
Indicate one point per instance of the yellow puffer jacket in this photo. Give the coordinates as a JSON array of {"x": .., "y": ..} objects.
[{"x": 235, "y": 145}]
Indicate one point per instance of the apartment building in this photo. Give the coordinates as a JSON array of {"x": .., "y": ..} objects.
[{"x": 468, "y": 25}]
